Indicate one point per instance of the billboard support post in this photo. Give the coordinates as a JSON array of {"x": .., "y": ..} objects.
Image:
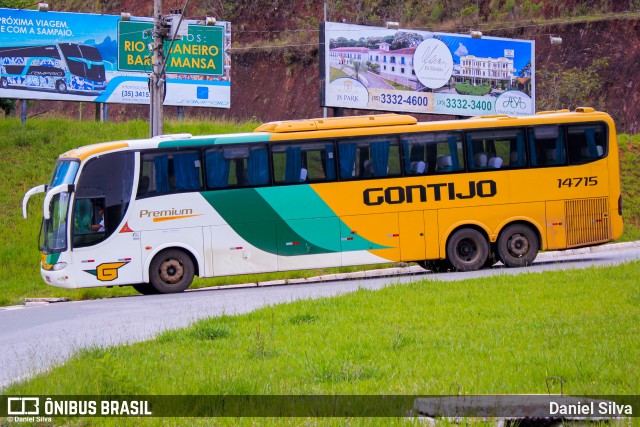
[
  {"x": 23, "y": 114},
  {"x": 157, "y": 78}
]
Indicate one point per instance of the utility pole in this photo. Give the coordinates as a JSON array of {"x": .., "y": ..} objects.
[{"x": 157, "y": 78}]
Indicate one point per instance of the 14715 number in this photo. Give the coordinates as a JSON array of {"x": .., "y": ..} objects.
[{"x": 587, "y": 181}]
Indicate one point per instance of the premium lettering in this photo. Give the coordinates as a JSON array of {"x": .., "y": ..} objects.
[
  {"x": 430, "y": 192},
  {"x": 165, "y": 213}
]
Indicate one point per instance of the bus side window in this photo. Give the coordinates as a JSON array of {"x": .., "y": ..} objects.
[
  {"x": 217, "y": 167},
  {"x": 547, "y": 147},
  {"x": 496, "y": 149},
  {"x": 586, "y": 143},
  {"x": 186, "y": 170},
  {"x": 435, "y": 152},
  {"x": 373, "y": 157},
  {"x": 310, "y": 162},
  {"x": 237, "y": 166},
  {"x": 170, "y": 172},
  {"x": 258, "y": 166}
]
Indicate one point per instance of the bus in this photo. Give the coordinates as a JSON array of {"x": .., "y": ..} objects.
[
  {"x": 61, "y": 67},
  {"x": 305, "y": 194}
]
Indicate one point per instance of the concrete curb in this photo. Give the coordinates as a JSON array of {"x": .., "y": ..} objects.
[
  {"x": 590, "y": 250},
  {"x": 415, "y": 269},
  {"x": 383, "y": 272}
]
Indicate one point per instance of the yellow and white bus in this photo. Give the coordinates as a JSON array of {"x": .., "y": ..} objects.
[{"x": 330, "y": 192}]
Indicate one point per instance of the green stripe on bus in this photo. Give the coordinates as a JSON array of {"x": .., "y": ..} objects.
[
  {"x": 223, "y": 139},
  {"x": 300, "y": 215},
  {"x": 297, "y": 203},
  {"x": 53, "y": 258}
]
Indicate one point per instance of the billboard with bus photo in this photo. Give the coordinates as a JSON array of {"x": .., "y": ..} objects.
[
  {"x": 377, "y": 68},
  {"x": 101, "y": 58}
]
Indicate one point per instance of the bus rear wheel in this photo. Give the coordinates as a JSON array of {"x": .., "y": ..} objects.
[
  {"x": 518, "y": 246},
  {"x": 467, "y": 249},
  {"x": 171, "y": 271}
]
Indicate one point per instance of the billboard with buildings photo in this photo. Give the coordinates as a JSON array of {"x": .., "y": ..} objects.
[{"x": 400, "y": 70}]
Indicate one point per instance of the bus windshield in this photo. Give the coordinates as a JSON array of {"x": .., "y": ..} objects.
[
  {"x": 53, "y": 233},
  {"x": 83, "y": 61},
  {"x": 65, "y": 173}
]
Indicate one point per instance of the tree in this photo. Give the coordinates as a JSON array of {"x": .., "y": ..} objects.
[
  {"x": 356, "y": 67},
  {"x": 7, "y": 105},
  {"x": 566, "y": 87}
]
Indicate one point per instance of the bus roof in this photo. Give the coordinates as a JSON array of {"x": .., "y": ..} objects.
[{"x": 337, "y": 127}]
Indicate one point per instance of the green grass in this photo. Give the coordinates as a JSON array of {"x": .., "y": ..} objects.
[
  {"x": 503, "y": 334},
  {"x": 630, "y": 181},
  {"x": 337, "y": 73}
]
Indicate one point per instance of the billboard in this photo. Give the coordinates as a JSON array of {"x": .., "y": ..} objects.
[
  {"x": 376, "y": 68},
  {"x": 100, "y": 58}
]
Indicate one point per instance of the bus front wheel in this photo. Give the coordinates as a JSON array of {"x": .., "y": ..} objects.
[
  {"x": 61, "y": 86},
  {"x": 171, "y": 271},
  {"x": 518, "y": 246},
  {"x": 467, "y": 249}
]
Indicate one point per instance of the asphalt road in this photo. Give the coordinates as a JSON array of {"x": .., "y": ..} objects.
[{"x": 33, "y": 338}]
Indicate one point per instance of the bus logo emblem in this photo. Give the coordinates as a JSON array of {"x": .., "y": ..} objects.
[{"x": 107, "y": 272}]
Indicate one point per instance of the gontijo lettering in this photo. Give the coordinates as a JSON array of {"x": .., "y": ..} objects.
[{"x": 422, "y": 193}]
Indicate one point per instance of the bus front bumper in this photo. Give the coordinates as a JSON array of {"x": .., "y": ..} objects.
[{"x": 62, "y": 278}]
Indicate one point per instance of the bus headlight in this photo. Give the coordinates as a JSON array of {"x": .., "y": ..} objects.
[{"x": 59, "y": 266}]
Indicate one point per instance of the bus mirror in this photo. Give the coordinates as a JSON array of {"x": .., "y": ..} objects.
[{"x": 25, "y": 200}]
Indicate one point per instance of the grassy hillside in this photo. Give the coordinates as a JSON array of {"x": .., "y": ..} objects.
[
  {"x": 498, "y": 335},
  {"x": 27, "y": 157}
]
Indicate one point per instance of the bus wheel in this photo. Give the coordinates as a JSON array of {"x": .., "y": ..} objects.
[
  {"x": 4, "y": 83},
  {"x": 145, "y": 289},
  {"x": 435, "y": 265},
  {"x": 467, "y": 249},
  {"x": 61, "y": 86},
  {"x": 518, "y": 246},
  {"x": 171, "y": 271}
]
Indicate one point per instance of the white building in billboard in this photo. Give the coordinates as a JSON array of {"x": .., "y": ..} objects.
[
  {"x": 348, "y": 55},
  {"x": 393, "y": 65},
  {"x": 397, "y": 66},
  {"x": 494, "y": 71}
]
